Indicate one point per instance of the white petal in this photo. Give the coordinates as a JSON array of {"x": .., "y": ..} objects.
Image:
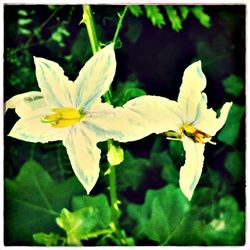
[
  {"x": 25, "y": 103},
  {"x": 208, "y": 122},
  {"x": 193, "y": 83},
  {"x": 116, "y": 123},
  {"x": 95, "y": 77},
  {"x": 223, "y": 115},
  {"x": 160, "y": 114},
  {"x": 84, "y": 155},
  {"x": 32, "y": 129},
  {"x": 55, "y": 86},
  {"x": 190, "y": 173}
]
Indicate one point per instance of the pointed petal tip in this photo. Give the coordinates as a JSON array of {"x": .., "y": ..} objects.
[{"x": 187, "y": 193}]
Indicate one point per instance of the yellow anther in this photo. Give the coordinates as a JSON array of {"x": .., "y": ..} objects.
[
  {"x": 195, "y": 134},
  {"x": 63, "y": 117}
]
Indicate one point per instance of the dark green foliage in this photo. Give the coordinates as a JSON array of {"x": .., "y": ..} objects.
[
  {"x": 167, "y": 218},
  {"x": 233, "y": 85},
  {"x": 126, "y": 91},
  {"x": 228, "y": 226},
  {"x": 229, "y": 134},
  {"x": 35, "y": 194},
  {"x": 234, "y": 163},
  {"x": 156, "y": 44}
]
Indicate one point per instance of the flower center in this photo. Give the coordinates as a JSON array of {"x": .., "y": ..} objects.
[
  {"x": 191, "y": 132},
  {"x": 63, "y": 117}
]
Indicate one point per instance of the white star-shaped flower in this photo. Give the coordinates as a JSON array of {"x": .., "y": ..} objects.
[
  {"x": 73, "y": 112},
  {"x": 188, "y": 120}
]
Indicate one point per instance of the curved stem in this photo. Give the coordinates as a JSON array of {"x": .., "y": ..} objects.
[{"x": 119, "y": 25}]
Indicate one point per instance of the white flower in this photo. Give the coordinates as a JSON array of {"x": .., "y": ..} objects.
[
  {"x": 188, "y": 119},
  {"x": 73, "y": 112}
]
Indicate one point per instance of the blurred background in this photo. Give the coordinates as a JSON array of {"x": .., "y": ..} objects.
[{"x": 155, "y": 46}]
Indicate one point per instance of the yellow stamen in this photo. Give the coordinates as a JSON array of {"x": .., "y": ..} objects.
[
  {"x": 64, "y": 117},
  {"x": 195, "y": 134}
]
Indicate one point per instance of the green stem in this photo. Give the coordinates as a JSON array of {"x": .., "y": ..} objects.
[
  {"x": 119, "y": 25},
  {"x": 87, "y": 18},
  {"x": 113, "y": 199},
  {"x": 89, "y": 21}
]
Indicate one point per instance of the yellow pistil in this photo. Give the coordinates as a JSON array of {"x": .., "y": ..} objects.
[
  {"x": 63, "y": 117},
  {"x": 191, "y": 132}
]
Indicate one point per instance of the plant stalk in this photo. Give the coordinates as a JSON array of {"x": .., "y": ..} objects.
[
  {"x": 87, "y": 18},
  {"x": 94, "y": 42}
]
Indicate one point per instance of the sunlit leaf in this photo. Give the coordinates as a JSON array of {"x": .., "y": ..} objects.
[
  {"x": 90, "y": 219},
  {"x": 33, "y": 200},
  {"x": 203, "y": 18},
  {"x": 184, "y": 11},
  {"x": 51, "y": 239},
  {"x": 78, "y": 225},
  {"x": 233, "y": 84},
  {"x": 24, "y": 31},
  {"x": 24, "y": 21},
  {"x": 173, "y": 18},
  {"x": 154, "y": 14},
  {"x": 100, "y": 202},
  {"x": 22, "y": 13},
  {"x": 135, "y": 10}
]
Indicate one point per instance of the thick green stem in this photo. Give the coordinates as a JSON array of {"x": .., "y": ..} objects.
[
  {"x": 113, "y": 199},
  {"x": 87, "y": 18},
  {"x": 89, "y": 21}
]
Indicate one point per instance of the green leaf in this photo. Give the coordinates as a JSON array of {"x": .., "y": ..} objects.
[
  {"x": 154, "y": 14},
  {"x": 203, "y": 18},
  {"x": 184, "y": 11},
  {"x": 169, "y": 171},
  {"x": 51, "y": 239},
  {"x": 131, "y": 173},
  {"x": 24, "y": 31},
  {"x": 228, "y": 227},
  {"x": 230, "y": 132},
  {"x": 162, "y": 215},
  {"x": 32, "y": 202},
  {"x": 135, "y": 10},
  {"x": 90, "y": 219},
  {"x": 173, "y": 18},
  {"x": 176, "y": 151},
  {"x": 22, "y": 13},
  {"x": 115, "y": 155},
  {"x": 78, "y": 225},
  {"x": 235, "y": 166},
  {"x": 24, "y": 21},
  {"x": 99, "y": 202},
  {"x": 233, "y": 85},
  {"x": 126, "y": 91}
]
